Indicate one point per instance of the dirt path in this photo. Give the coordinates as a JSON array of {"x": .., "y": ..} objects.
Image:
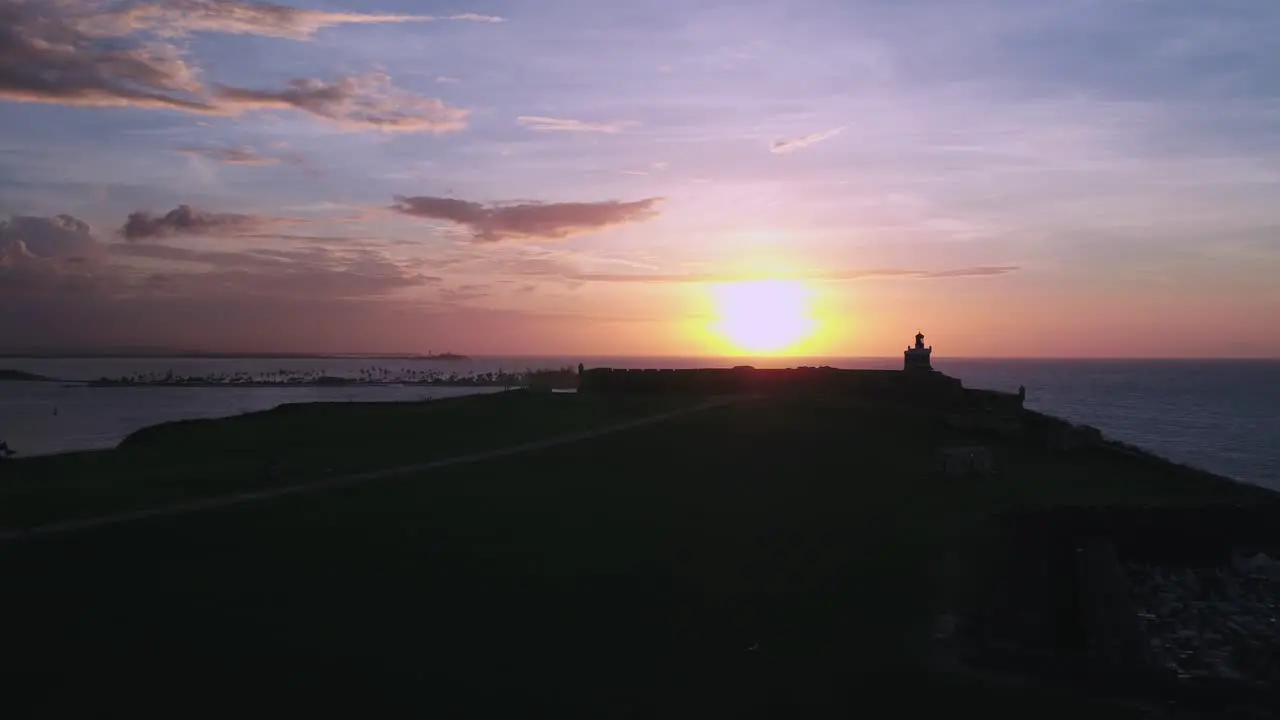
[{"x": 215, "y": 503}]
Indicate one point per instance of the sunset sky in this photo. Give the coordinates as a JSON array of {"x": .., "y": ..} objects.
[{"x": 559, "y": 177}]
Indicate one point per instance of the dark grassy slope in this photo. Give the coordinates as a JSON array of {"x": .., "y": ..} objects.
[
  {"x": 20, "y": 375},
  {"x": 291, "y": 444},
  {"x": 630, "y": 572}
]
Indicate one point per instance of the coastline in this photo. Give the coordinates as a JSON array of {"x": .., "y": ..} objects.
[
  {"x": 1116, "y": 447},
  {"x": 542, "y": 380}
]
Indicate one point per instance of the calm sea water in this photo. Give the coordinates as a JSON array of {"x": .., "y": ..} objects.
[{"x": 1223, "y": 416}]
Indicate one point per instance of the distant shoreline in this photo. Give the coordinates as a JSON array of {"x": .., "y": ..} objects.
[
  {"x": 563, "y": 378},
  {"x": 224, "y": 356},
  {"x": 462, "y": 382}
]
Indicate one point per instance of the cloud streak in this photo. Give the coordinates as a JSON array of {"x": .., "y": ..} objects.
[
  {"x": 825, "y": 275},
  {"x": 229, "y": 156},
  {"x": 550, "y": 124},
  {"x": 353, "y": 103},
  {"x": 177, "y": 18},
  {"x": 783, "y": 147},
  {"x": 528, "y": 221}
]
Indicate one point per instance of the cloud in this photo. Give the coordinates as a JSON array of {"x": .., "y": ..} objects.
[
  {"x": 475, "y": 17},
  {"x": 62, "y": 236},
  {"x": 45, "y": 58},
  {"x": 538, "y": 221},
  {"x": 271, "y": 274},
  {"x": 362, "y": 102},
  {"x": 142, "y": 293},
  {"x": 550, "y": 124},
  {"x": 980, "y": 271},
  {"x": 15, "y": 255},
  {"x": 46, "y": 257},
  {"x": 465, "y": 293},
  {"x": 565, "y": 272},
  {"x": 39, "y": 255},
  {"x": 782, "y": 147},
  {"x": 249, "y": 157},
  {"x": 59, "y": 52},
  {"x": 229, "y": 156},
  {"x": 186, "y": 220},
  {"x": 176, "y": 18},
  {"x": 445, "y": 79}
]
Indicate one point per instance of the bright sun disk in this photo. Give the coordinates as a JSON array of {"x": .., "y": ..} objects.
[{"x": 763, "y": 316}]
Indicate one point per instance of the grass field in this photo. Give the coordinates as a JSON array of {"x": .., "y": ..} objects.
[
  {"x": 768, "y": 558},
  {"x": 292, "y": 444}
]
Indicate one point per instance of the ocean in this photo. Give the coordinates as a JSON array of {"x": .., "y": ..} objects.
[{"x": 1220, "y": 415}]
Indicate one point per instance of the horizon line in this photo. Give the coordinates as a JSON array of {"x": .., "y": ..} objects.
[{"x": 252, "y": 355}]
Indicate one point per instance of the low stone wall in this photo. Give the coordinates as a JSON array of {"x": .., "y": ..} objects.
[{"x": 992, "y": 401}]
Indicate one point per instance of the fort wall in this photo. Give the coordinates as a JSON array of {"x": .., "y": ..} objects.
[{"x": 873, "y": 384}]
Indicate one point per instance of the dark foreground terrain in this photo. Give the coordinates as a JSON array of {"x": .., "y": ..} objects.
[{"x": 772, "y": 557}]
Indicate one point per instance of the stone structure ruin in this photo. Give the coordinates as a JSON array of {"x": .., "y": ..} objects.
[{"x": 917, "y": 384}]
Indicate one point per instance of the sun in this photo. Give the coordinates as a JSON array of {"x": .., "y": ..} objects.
[{"x": 763, "y": 317}]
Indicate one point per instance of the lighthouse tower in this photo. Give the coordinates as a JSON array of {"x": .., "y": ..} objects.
[{"x": 917, "y": 358}]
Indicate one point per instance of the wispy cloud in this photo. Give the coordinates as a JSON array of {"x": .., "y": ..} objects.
[
  {"x": 305, "y": 275},
  {"x": 229, "y": 156},
  {"x": 531, "y": 221},
  {"x": 45, "y": 57},
  {"x": 176, "y": 18},
  {"x": 356, "y": 103},
  {"x": 568, "y": 273},
  {"x": 50, "y": 53},
  {"x": 465, "y": 293},
  {"x": 249, "y": 157},
  {"x": 979, "y": 271},
  {"x": 446, "y": 80},
  {"x": 782, "y": 147},
  {"x": 550, "y": 124},
  {"x": 45, "y": 261},
  {"x": 653, "y": 167}
]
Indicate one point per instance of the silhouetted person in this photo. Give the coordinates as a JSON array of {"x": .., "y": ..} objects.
[
  {"x": 4, "y": 450},
  {"x": 1022, "y": 393},
  {"x": 580, "y": 368}
]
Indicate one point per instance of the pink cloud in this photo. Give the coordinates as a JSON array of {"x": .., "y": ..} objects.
[{"x": 538, "y": 221}]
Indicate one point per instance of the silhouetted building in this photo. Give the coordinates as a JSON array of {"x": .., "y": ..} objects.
[
  {"x": 918, "y": 383},
  {"x": 917, "y": 358}
]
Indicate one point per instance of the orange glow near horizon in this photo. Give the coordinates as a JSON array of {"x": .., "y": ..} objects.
[{"x": 763, "y": 317}]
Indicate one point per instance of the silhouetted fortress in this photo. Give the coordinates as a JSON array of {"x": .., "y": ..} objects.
[{"x": 916, "y": 382}]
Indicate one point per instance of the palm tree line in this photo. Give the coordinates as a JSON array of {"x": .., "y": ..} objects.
[{"x": 372, "y": 375}]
